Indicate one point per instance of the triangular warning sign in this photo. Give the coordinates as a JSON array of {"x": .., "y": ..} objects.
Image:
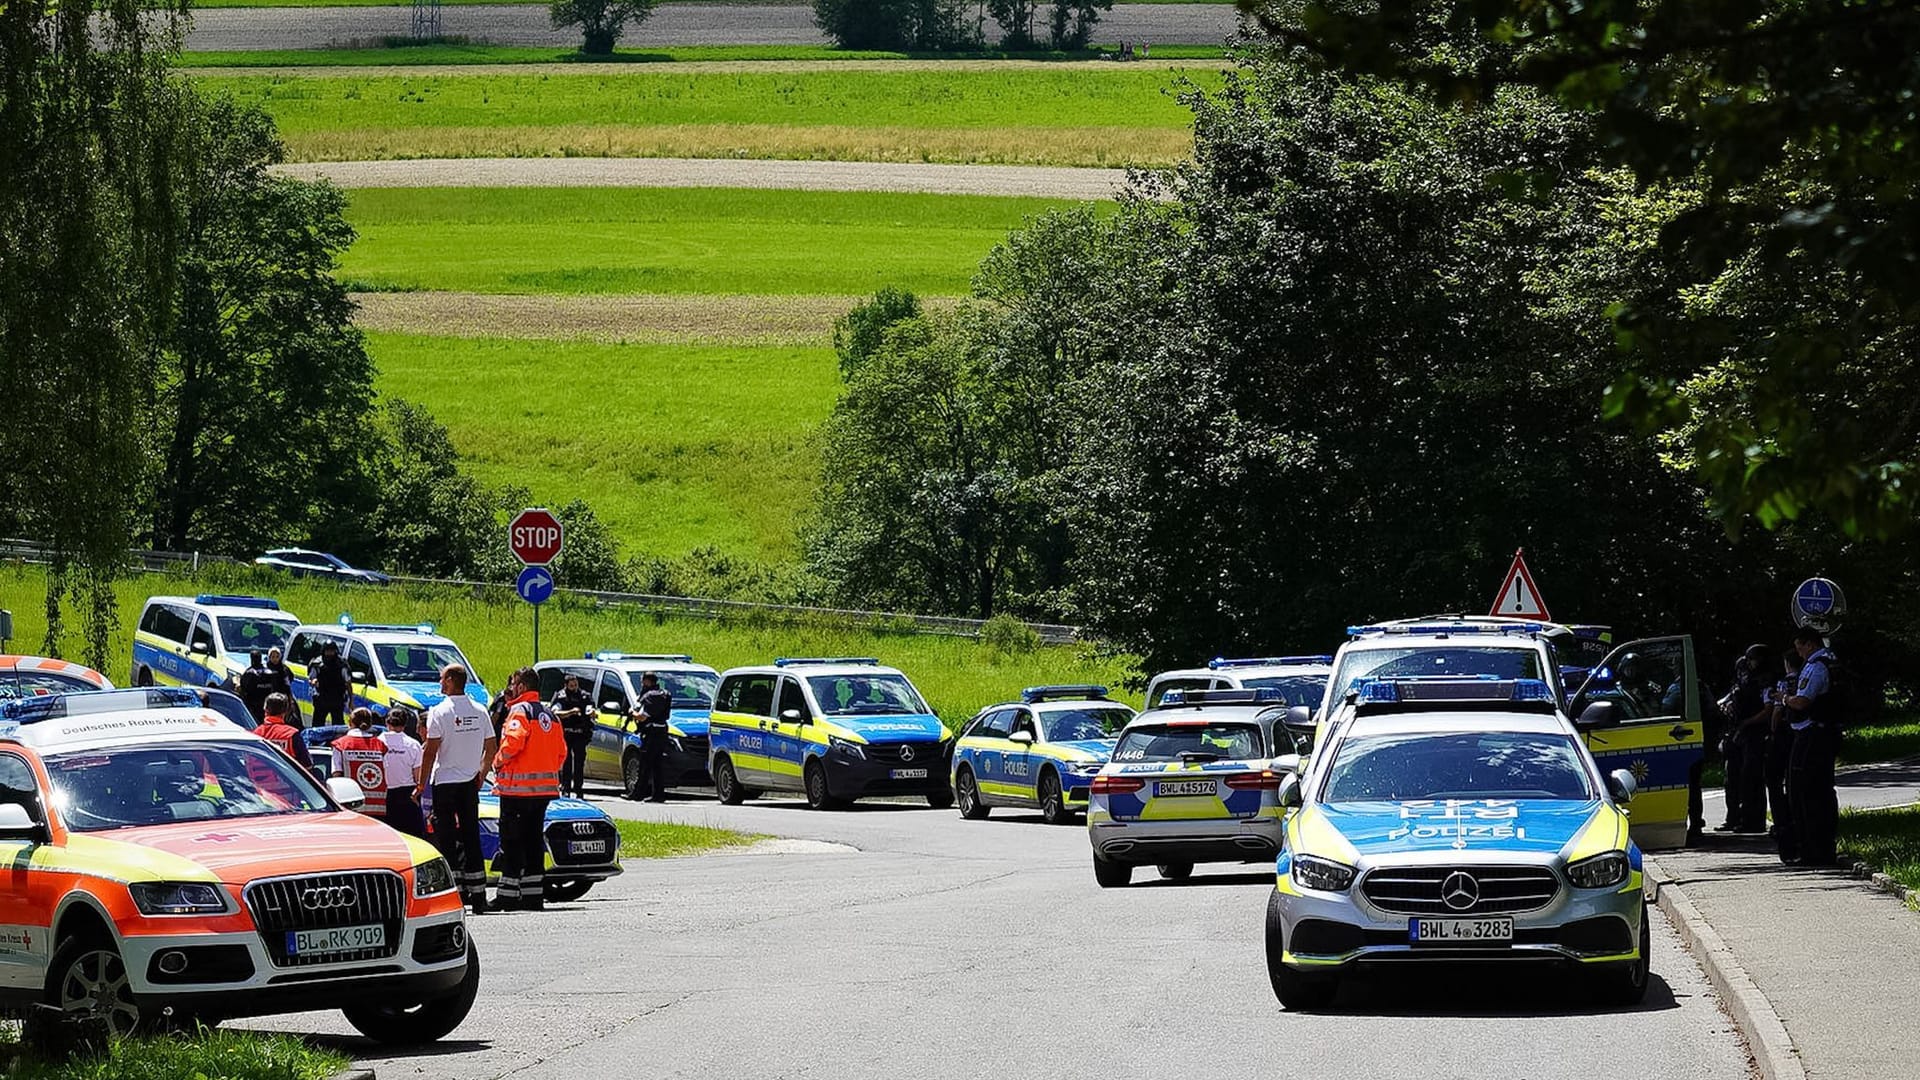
[{"x": 1518, "y": 598}]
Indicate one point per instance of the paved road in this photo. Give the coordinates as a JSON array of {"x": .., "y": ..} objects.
[
  {"x": 942, "y": 948},
  {"x": 1058, "y": 183},
  {"x": 670, "y": 24}
]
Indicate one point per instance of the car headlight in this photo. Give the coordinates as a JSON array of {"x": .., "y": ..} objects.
[
  {"x": 846, "y": 746},
  {"x": 1600, "y": 871},
  {"x": 1321, "y": 875},
  {"x": 178, "y": 898},
  {"x": 1083, "y": 768},
  {"x": 432, "y": 878}
]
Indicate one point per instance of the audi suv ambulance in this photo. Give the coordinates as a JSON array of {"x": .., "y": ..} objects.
[
  {"x": 205, "y": 640},
  {"x": 1039, "y": 752},
  {"x": 613, "y": 679}
]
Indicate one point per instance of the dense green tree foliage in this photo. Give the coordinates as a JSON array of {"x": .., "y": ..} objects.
[
  {"x": 601, "y": 22},
  {"x": 925, "y": 25}
]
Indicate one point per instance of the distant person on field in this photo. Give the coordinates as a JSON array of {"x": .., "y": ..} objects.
[
  {"x": 1816, "y": 743},
  {"x": 332, "y": 685},
  {"x": 576, "y": 711}
]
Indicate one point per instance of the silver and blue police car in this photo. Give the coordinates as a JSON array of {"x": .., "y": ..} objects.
[
  {"x": 1195, "y": 780},
  {"x": 1040, "y": 752},
  {"x": 1456, "y": 821}
]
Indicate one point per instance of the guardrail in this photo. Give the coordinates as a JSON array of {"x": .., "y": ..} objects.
[{"x": 692, "y": 606}]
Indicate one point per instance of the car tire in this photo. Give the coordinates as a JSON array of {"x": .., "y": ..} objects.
[
  {"x": 632, "y": 779},
  {"x": 1295, "y": 991},
  {"x": 726, "y": 783},
  {"x": 87, "y": 975},
  {"x": 1053, "y": 800},
  {"x": 940, "y": 800},
  {"x": 429, "y": 1021},
  {"x": 1112, "y": 875},
  {"x": 1175, "y": 871},
  {"x": 143, "y": 677},
  {"x": 565, "y": 890},
  {"x": 966, "y": 791},
  {"x": 819, "y": 796},
  {"x": 1625, "y": 985}
]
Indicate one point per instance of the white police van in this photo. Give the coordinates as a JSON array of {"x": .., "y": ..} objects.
[{"x": 205, "y": 640}]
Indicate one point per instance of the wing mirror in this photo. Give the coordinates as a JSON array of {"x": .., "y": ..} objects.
[
  {"x": 17, "y": 824},
  {"x": 346, "y": 793},
  {"x": 1598, "y": 715},
  {"x": 201, "y": 648},
  {"x": 1285, "y": 763},
  {"x": 610, "y": 706},
  {"x": 1299, "y": 719},
  {"x": 1290, "y": 795},
  {"x": 1022, "y": 736},
  {"x": 793, "y": 716},
  {"x": 1622, "y": 786},
  {"x": 360, "y": 675}
]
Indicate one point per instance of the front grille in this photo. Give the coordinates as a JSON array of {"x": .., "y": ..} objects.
[
  {"x": 917, "y": 755},
  {"x": 561, "y": 834},
  {"x": 281, "y": 906},
  {"x": 1420, "y": 890}
]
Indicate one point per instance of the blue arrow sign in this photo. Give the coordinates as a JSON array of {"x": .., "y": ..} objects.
[
  {"x": 1815, "y": 596},
  {"x": 535, "y": 585}
]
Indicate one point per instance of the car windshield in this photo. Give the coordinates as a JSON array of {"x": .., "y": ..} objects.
[
  {"x": 844, "y": 695},
  {"x": 18, "y": 684},
  {"x": 158, "y": 785},
  {"x": 690, "y": 689},
  {"x": 1216, "y": 741},
  {"x": 417, "y": 661},
  {"x": 1073, "y": 725},
  {"x": 1294, "y": 689},
  {"x": 244, "y": 633},
  {"x": 1461, "y": 765},
  {"x": 1394, "y": 663}
]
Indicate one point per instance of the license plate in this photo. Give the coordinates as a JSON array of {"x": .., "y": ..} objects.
[
  {"x": 586, "y": 847},
  {"x": 1450, "y": 930},
  {"x": 909, "y": 774},
  {"x": 337, "y": 940},
  {"x": 1184, "y": 787}
]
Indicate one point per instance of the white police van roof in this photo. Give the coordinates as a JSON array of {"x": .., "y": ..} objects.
[
  {"x": 633, "y": 661},
  {"x": 250, "y": 607},
  {"x": 383, "y": 633},
  {"x": 809, "y": 666}
]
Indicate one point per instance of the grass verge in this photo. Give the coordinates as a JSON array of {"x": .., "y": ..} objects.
[
  {"x": 673, "y": 240},
  {"x": 959, "y": 676},
  {"x": 1886, "y": 840},
  {"x": 450, "y": 55},
  {"x": 211, "y": 1055},
  {"x": 1894, "y": 737},
  {"x": 665, "y": 839}
]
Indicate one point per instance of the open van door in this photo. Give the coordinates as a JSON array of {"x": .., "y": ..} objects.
[{"x": 1654, "y": 683}]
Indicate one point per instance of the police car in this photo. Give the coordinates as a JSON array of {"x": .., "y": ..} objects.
[
  {"x": 832, "y": 728},
  {"x": 1298, "y": 680},
  {"x": 1195, "y": 780},
  {"x": 205, "y": 640},
  {"x": 388, "y": 664},
  {"x": 1040, "y": 751},
  {"x": 1456, "y": 820},
  {"x": 162, "y": 858},
  {"x": 613, "y": 679}
]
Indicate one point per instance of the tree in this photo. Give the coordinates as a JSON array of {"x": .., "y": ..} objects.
[
  {"x": 431, "y": 518},
  {"x": 1016, "y": 22},
  {"x": 601, "y": 22},
  {"x": 1070, "y": 26},
  {"x": 264, "y": 382},
  {"x": 925, "y": 25}
]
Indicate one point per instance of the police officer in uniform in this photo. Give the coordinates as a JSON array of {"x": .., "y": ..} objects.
[
  {"x": 1816, "y": 742},
  {"x": 574, "y": 707},
  {"x": 331, "y": 684},
  {"x": 526, "y": 776},
  {"x": 652, "y": 713}
]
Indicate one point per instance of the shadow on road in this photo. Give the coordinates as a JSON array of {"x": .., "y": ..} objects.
[
  {"x": 1202, "y": 879},
  {"x": 357, "y": 1047},
  {"x": 1487, "y": 990}
]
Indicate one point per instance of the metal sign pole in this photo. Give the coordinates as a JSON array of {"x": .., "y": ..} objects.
[{"x": 536, "y": 633}]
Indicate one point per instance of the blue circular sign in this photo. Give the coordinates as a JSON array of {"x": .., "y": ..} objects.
[
  {"x": 535, "y": 585},
  {"x": 1815, "y": 596}
]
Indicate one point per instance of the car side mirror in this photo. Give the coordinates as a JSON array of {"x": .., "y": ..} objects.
[
  {"x": 346, "y": 793},
  {"x": 1299, "y": 718},
  {"x": 1285, "y": 763},
  {"x": 360, "y": 674},
  {"x": 1622, "y": 786},
  {"x": 1290, "y": 796},
  {"x": 1600, "y": 714},
  {"x": 17, "y": 824},
  {"x": 610, "y": 706},
  {"x": 1022, "y": 736},
  {"x": 201, "y": 648},
  {"x": 792, "y": 716}
]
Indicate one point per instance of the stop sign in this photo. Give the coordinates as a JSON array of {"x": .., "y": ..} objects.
[{"x": 534, "y": 536}]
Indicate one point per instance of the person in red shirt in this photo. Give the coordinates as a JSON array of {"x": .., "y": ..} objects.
[
  {"x": 276, "y": 730},
  {"x": 526, "y": 776},
  {"x": 362, "y": 757}
]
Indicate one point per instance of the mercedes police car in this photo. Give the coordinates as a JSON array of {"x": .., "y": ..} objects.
[
  {"x": 388, "y": 664},
  {"x": 1299, "y": 680},
  {"x": 1195, "y": 780},
  {"x": 613, "y": 679},
  {"x": 834, "y": 729},
  {"x": 205, "y": 640},
  {"x": 1041, "y": 751},
  {"x": 1456, "y": 820},
  {"x": 162, "y": 858}
]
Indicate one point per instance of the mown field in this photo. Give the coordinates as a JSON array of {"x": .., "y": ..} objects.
[
  {"x": 396, "y": 55},
  {"x": 1033, "y": 114},
  {"x": 959, "y": 676}
]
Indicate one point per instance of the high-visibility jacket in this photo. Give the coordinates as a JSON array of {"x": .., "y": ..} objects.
[
  {"x": 532, "y": 749},
  {"x": 284, "y": 736},
  {"x": 364, "y": 758}
]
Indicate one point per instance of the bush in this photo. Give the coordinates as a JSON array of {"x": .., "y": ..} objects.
[
  {"x": 1006, "y": 634},
  {"x": 924, "y": 25},
  {"x": 600, "y": 21}
]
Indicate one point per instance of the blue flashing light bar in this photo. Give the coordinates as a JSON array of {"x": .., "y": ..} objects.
[
  {"x": 346, "y": 622},
  {"x": 1073, "y": 692},
  {"x": 1450, "y": 688},
  {"x": 614, "y": 654},
  {"x": 1220, "y": 662},
  {"x": 80, "y": 703},
  {"x": 264, "y": 603},
  {"x": 798, "y": 661}
]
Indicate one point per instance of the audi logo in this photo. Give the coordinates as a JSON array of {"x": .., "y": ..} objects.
[
  {"x": 583, "y": 828},
  {"x": 328, "y": 898},
  {"x": 906, "y": 753},
  {"x": 1459, "y": 891}
]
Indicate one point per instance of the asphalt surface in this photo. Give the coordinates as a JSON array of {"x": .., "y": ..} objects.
[
  {"x": 924, "y": 946},
  {"x": 221, "y": 29}
]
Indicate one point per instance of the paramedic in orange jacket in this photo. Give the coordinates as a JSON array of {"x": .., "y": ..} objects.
[{"x": 526, "y": 776}]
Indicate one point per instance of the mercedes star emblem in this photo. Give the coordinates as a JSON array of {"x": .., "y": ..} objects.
[
  {"x": 906, "y": 753},
  {"x": 1459, "y": 891}
]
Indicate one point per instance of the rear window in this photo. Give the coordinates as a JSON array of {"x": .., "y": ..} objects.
[
  {"x": 1294, "y": 689},
  {"x": 1218, "y": 741},
  {"x": 1475, "y": 765},
  {"x": 17, "y": 683}
]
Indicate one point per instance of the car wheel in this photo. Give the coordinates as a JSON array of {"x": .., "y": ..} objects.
[
  {"x": 726, "y": 784},
  {"x": 1111, "y": 875},
  {"x": 1624, "y": 985},
  {"x": 818, "y": 796},
  {"x": 1175, "y": 871},
  {"x": 940, "y": 800},
  {"x": 429, "y": 1021},
  {"x": 1295, "y": 991},
  {"x": 565, "y": 890},
  {"x": 1053, "y": 802},
  {"x": 143, "y": 677},
  {"x": 87, "y": 976},
  {"x": 632, "y": 780},
  {"x": 967, "y": 789}
]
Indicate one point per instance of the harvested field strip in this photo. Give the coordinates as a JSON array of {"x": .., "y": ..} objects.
[
  {"x": 743, "y": 320},
  {"x": 686, "y": 59}
]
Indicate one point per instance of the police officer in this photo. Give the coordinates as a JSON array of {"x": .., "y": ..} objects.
[
  {"x": 278, "y": 680},
  {"x": 1751, "y": 718},
  {"x": 574, "y": 707},
  {"x": 1816, "y": 742},
  {"x": 331, "y": 682},
  {"x": 1780, "y": 755},
  {"x": 652, "y": 714},
  {"x": 526, "y": 776},
  {"x": 253, "y": 685},
  {"x": 360, "y": 756}
]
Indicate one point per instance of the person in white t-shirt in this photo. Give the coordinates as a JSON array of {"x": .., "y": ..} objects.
[
  {"x": 459, "y": 744},
  {"x": 404, "y": 754}
]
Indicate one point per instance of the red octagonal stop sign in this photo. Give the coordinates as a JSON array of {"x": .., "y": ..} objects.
[{"x": 534, "y": 536}]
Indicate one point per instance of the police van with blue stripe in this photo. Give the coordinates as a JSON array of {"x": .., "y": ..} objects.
[
  {"x": 833, "y": 729},
  {"x": 1040, "y": 752},
  {"x": 387, "y": 664},
  {"x": 205, "y": 640}
]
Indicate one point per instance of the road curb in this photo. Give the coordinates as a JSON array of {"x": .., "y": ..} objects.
[
  {"x": 352, "y": 1074},
  {"x": 1875, "y": 880},
  {"x": 1752, "y": 1013}
]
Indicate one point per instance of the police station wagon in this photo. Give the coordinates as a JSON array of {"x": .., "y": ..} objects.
[{"x": 1041, "y": 751}]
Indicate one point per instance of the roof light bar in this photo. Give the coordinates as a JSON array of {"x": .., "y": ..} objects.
[
  {"x": 797, "y": 661},
  {"x": 1064, "y": 692},
  {"x": 1480, "y": 689},
  {"x": 1259, "y": 695},
  {"x": 615, "y": 654},
  {"x": 1441, "y": 629},
  {"x": 265, "y": 603},
  {"x": 1220, "y": 662},
  {"x": 85, "y": 702},
  {"x": 347, "y": 623}
]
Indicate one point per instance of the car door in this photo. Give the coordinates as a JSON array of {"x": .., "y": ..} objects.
[
  {"x": 1660, "y": 738},
  {"x": 611, "y": 723},
  {"x": 737, "y": 728},
  {"x": 25, "y": 903},
  {"x": 987, "y": 748},
  {"x": 200, "y": 653},
  {"x": 787, "y": 742},
  {"x": 363, "y": 675},
  {"x": 1019, "y": 761}
]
